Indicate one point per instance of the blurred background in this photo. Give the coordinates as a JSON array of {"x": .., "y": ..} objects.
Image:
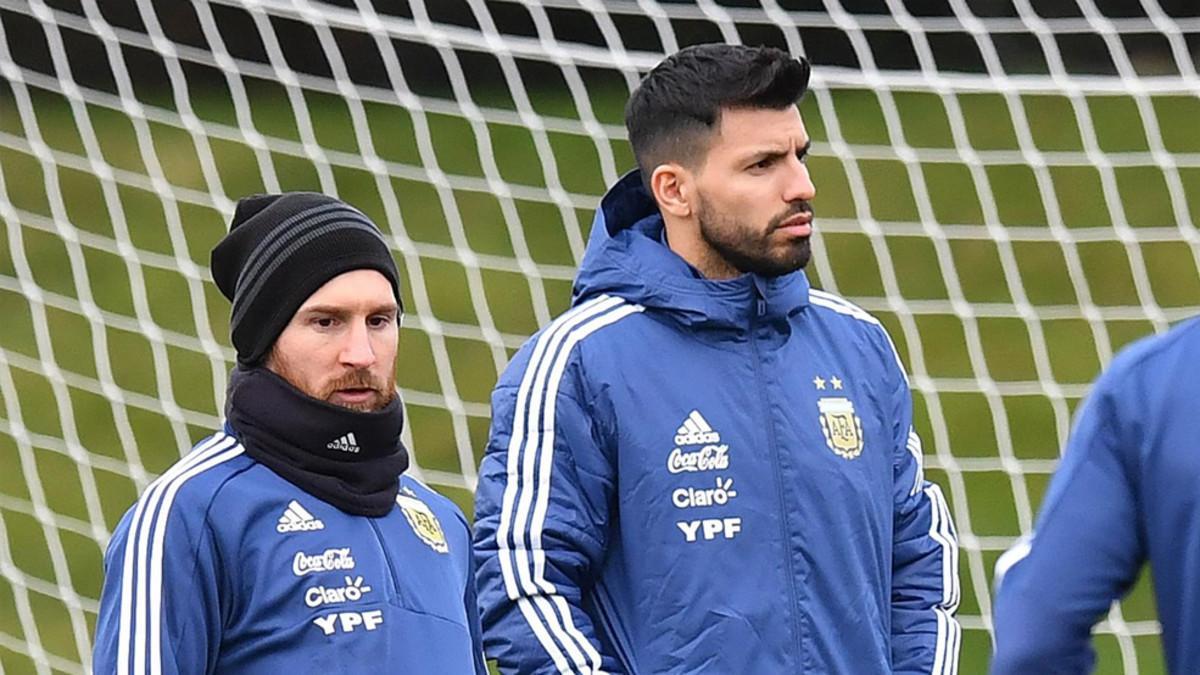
[{"x": 1011, "y": 186}]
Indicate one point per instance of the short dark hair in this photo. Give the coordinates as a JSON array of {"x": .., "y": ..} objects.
[{"x": 679, "y": 103}]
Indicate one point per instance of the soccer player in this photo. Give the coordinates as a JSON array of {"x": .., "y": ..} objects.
[
  {"x": 706, "y": 465},
  {"x": 1127, "y": 492},
  {"x": 290, "y": 541}
]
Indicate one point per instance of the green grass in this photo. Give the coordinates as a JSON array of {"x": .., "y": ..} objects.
[{"x": 96, "y": 271}]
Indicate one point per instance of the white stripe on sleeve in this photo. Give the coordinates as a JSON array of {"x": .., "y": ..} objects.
[
  {"x": 556, "y": 632},
  {"x": 141, "y": 582}
]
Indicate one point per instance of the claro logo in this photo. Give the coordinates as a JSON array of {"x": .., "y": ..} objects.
[{"x": 353, "y": 591}]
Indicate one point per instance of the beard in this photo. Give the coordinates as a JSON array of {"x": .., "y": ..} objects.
[
  {"x": 383, "y": 390},
  {"x": 753, "y": 250}
]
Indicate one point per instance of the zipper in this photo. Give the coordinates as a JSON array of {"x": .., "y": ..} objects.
[
  {"x": 774, "y": 445},
  {"x": 387, "y": 558}
]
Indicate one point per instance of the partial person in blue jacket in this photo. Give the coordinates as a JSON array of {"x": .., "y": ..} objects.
[
  {"x": 1127, "y": 493},
  {"x": 705, "y": 465},
  {"x": 291, "y": 541}
]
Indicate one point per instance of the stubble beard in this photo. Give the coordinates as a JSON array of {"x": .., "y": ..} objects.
[{"x": 742, "y": 248}]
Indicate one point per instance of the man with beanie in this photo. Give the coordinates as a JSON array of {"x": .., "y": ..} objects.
[{"x": 291, "y": 541}]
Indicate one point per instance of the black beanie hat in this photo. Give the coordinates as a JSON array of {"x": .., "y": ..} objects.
[{"x": 280, "y": 249}]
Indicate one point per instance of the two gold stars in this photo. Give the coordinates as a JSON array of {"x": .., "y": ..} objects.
[{"x": 819, "y": 382}]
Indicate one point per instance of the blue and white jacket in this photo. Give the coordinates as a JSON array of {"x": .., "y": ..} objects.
[
  {"x": 691, "y": 476},
  {"x": 1127, "y": 493},
  {"x": 224, "y": 567}
]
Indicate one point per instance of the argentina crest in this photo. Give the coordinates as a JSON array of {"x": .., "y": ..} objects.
[
  {"x": 423, "y": 522},
  {"x": 842, "y": 426}
]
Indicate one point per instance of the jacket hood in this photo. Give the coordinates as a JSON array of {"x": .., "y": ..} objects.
[{"x": 627, "y": 256}]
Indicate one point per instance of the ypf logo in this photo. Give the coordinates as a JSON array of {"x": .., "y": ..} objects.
[{"x": 349, "y": 622}]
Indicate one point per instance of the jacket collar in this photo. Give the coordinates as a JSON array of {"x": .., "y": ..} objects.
[{"x": 627, "y": 256}]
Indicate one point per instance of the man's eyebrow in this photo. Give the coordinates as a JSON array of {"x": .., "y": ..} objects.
[
  {"x": 766, "y": 151},
  {"x": 776, "y": 151}
]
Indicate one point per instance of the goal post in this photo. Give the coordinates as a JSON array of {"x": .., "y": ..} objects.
[{"x": 1012, "y": 187}]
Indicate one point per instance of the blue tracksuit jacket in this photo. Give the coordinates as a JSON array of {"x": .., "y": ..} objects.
[
  {"x": 1127, "y": 491},
  {"x": 224, "y": 567},
  {"x": 689, "y": 476}
]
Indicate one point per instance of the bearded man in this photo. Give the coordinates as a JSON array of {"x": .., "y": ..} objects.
[
  {"x": 705, "y": 465},
  {"x": 291, "y": 541}
]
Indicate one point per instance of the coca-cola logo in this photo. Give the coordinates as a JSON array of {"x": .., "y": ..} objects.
[
  {"x": 708, "y": 458},
  {"x": 331, "y": 559}
]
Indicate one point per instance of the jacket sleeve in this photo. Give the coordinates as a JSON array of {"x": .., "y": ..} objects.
[
  {"x": 1084, "y": 554},
  {"x": 159, "y": 609},
  {"x": 542, "y": 513},
  {"x": 925, "y": 586}
]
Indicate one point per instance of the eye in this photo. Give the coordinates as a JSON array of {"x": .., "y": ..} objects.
[
  {"x": 764, "y": 163},
  {"x": 324, "y": 321},
  {"x": 379, "y": 320}
]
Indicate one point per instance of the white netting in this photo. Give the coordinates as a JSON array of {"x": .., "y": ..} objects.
[{"x": 1006, "y": 183}]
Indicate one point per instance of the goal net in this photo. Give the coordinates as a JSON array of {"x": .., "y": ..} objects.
[{"x": 1011, "y": 186}]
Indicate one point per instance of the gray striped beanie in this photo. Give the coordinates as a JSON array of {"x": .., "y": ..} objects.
[{"x": 280, "y": 249}]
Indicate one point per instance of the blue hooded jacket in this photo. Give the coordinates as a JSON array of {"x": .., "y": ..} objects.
[
  {"x": 223, "y": 566},
  {"x": 1127, "y": 493},
  {"x": 687, "y": 475}
]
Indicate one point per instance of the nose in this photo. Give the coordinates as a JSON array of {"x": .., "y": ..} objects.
[
  {"x": 357, "y": 351},
  {"x": 800, "y": 186}
]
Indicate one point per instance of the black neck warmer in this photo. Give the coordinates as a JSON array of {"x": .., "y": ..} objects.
[{"x": 350, "y": 459}]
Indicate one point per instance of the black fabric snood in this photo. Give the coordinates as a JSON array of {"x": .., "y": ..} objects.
[{"x": 350, "y": 459}]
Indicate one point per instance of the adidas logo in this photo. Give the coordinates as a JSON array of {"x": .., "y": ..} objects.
[
  {"x": 695, "y": 430},
  {"x": 345, "y": 443},
  {"x": 296, "y": 518}
]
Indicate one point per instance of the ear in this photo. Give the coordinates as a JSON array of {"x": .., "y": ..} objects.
[{"x": 671, "y": 185}]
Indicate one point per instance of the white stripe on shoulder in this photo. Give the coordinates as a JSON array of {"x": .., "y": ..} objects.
[
  {"x": 842, "y": 306},
  {"x": 156, "y": 553},
  {"x": 418, "y": 481},
  {"x": 535, "y": 398},
  {"x": 141, "y": 583},
  {"x": 148, "y": 503},
  {"x": 546, "y": 462},
  {"x": 549, "y": 338},
  {"x": 1018, "y": 552}
]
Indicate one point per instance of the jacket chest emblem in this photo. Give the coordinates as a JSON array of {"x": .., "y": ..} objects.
[
  {"x": 420, "y": 517},
  {"x": 841, "y": 426}
]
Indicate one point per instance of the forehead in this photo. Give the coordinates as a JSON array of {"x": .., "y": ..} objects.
[
  {"x": 353, "y": 288},
  {"x": 750, "y": 129}
]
